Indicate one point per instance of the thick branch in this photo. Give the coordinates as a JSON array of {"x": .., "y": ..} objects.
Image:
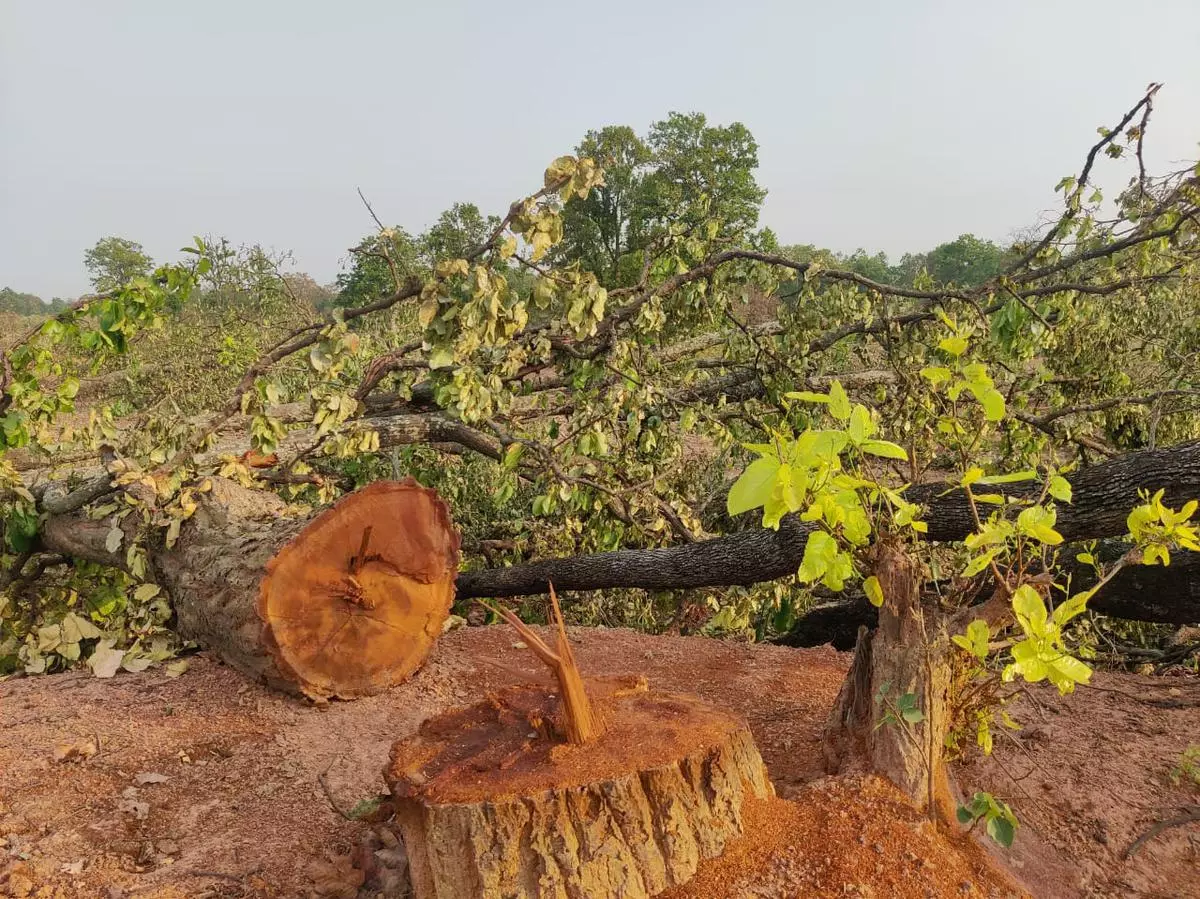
[{"x": 1104, "y": 495}]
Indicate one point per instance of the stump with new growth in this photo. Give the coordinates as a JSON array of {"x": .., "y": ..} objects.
[
  {"x": 513, "y": 798},
  {"x": 342, "y": 605}
]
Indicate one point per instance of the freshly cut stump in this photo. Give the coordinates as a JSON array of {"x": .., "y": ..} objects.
[
  {"x": 491, "y": 803},
  {"x": 342, "y": 605}
]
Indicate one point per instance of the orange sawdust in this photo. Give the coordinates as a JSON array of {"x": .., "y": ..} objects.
[{"x": 850, "y": 836}]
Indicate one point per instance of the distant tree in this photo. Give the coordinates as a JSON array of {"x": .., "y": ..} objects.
[
  {"x": 965, "y": 261},
  {"x": 682, "y": 173},
  {"x": 458, "y": 231},
  {"x": 389, "y": 257},
  {"x": 601, "y": 228},
  {"x": 114, "y": 260},
  {"x": 876, "y": 267},
  {"x": 26, "y": 303},
  {"x": 380, "y": 260},
  {"x": 705, "y": 172}
]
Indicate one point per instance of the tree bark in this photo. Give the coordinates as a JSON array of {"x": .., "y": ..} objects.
[
  {"x": 1166, "y": 595},
  {"x": 1103, "y": 496},
  {"x": 343, "y": 605},
  {"x": 907, "y": 657}
]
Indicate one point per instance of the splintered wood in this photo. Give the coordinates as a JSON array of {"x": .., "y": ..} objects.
[
  {"x": 579, "y": 722},
  {"x": 602, "y": 790},
  {"x": 354, "y": 603}
]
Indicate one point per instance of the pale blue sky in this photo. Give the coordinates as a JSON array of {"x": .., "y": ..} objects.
[{"x": 888, "y": 125}]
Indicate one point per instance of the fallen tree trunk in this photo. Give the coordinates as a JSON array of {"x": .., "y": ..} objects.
[
  {"x": 345, "y": 604},
  {"x": 1166, "y": 595},
  {"x": 1103, "y": 497}
]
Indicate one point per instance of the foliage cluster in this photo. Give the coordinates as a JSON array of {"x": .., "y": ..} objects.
[{"x": 578, "y": 374}]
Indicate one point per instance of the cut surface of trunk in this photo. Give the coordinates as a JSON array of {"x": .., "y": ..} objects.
[
  {"x": 491, "y": 803},
  {"x": 342, "y": 605}
]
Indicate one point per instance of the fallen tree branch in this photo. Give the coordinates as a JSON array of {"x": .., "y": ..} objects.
[{"x": 1104, "y": 494}]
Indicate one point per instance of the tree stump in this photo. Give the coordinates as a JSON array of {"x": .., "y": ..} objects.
[
  {"x": 342, "y": 605},
  {"x": 492, "y": 803},
  {"x": 909, "y": 654}
]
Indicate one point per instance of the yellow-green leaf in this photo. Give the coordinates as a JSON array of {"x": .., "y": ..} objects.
[
  {"x": 873, "y": 590},
  {"x": 955, "y": 345},
  {"x": 839, "y": 403},
  {"x": 753, "y": 487},
  {"x": 885, "y": 449}
]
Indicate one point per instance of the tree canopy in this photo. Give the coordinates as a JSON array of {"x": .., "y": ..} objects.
[{"x": 578, "y": 374}]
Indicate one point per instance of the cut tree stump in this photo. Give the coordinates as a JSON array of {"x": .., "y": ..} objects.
[
  {"x": 342, "y": 605},
  {"x": 491, "y": 803}
]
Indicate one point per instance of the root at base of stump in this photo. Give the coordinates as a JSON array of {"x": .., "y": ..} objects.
[{"x": 490, "y": 804}]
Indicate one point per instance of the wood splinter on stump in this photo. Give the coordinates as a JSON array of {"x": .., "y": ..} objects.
[
  {"x": 603, "y": 790},
  {"x": 342, "y": 605}
]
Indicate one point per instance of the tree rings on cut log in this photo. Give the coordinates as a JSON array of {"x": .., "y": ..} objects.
[
  {"x": 491, "y": 804},
  {"x": 354, "y": 603}
]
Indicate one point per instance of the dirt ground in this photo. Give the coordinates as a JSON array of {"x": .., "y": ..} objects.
[{"x": 207, "y": 786}]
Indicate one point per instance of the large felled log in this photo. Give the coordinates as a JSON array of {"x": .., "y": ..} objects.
[
  {"x": 490, "y": 803},
  {"x": 1103, "y": 497},
  {"x": 342, "y": 605}
]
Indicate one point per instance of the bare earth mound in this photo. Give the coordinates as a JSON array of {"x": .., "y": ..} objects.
[{"x": 207, "y": 786}]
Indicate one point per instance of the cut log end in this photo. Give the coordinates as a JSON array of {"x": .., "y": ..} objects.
[
  {"x": 627, "y": 814},
  {"x": 354, "y": 603}
]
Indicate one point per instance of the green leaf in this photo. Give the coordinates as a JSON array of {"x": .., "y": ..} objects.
[
  {"x": 1038, "y": 522},
  {"x": 1010, "y": 478},
  {"x": 955, "y": 345},
  {"x": 807, "y": 396},
  {"x": 885, "y": 449},
  {"x": 1072, "y": 608},
  {"x": 936, "y": 374},
  {"x": 753, "y": 488},
  {"x": 1001, "y": 830},
  {"x": 839, "y": 403},
  {"x": 1030, "y": 610},
  {"x": 1066, "y": 671},
  {"x": 861, "y": 427},
  {"x": 992, "y": 401},
  {"x": 1060, "y": 488},
  {"x": 975, "y": 641},
  {"x": 512, "y": 456},
  {"x": 441, "y": 357},
  {"x": 874, "y": 591},
  {"x": 820, "y": 550}
]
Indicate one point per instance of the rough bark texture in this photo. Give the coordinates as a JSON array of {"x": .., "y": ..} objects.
[
  {"x": 1103, "y": 496},
  {"x": 268, "y": 591},
  {"x": 1166, "y": 595},
  {"x": 909, "y": 653},
  {"x": 486, "y": 812}
]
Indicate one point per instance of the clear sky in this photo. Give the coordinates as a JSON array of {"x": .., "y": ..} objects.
[{"x": 887, "y": 125}]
